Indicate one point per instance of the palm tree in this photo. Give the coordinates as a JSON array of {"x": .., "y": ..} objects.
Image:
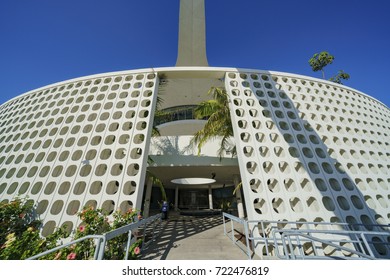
[{"x": 218, "y": 124}]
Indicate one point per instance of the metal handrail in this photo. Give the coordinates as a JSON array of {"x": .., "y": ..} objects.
[
  {"x": 96, "y": 237},
  {"x": 301, "y": 223},
  {"x": 306, "y": 234},
  {"x": 242, "y": 222},
  {"x": 363, "y": 244},
  {"x": 303, "y": 231},
  {"x": 101, "y": 240}
]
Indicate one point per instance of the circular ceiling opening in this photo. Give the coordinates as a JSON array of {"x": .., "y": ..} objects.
[{"x": 193, "y": 181}]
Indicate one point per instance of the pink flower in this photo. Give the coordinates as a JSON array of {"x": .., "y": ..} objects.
[
  {"x": 71, "y": 256},
  {"x": 81, "y": 228},
  {"x": 137, "y": 250}
]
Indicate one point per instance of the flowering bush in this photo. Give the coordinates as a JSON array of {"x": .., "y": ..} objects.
[
  {"x": 19, "y": 235},
  {"x": 95, "y": 222},
  {"x": 135, "y": 250},
  {"x": 21, "y": 239},
  {"x": 15, "y": 217},
  {"x": 117, "y": 246}
]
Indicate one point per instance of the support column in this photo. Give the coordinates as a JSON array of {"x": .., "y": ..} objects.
[
  {"x": 210, "y": 197},
  {"x": 148, "y": 194},
  {"x": 177, "y": 198},
  {"x": 240, "y": 206}
]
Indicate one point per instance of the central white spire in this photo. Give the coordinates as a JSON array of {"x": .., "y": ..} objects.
[{"x": 192, "y": 34}]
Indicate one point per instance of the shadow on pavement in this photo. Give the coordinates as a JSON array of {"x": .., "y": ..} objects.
[{"x": 186, "y": 235}]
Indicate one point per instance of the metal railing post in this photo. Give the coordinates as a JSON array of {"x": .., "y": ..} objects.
[
  {"x": 102, "y": 245},
  {"x": 265, "y": 239},
  {"x": 97, "y": 249},
  {"x": 232, "y": 228},
  {"x": 286, "y": 255},
  {"x": 292, "y": 253},
  {"x": 246, "y": 230},
  {"x": 224, "y": 224},
  {"x": 128, "y": 244},
  {"x": 367, "y": 245},
  {"x": 300, "y": 247},
  {"x": 153, "y": 232}
]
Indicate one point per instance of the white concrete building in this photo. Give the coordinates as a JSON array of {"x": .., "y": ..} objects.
[{"x": 307, "y": 149}]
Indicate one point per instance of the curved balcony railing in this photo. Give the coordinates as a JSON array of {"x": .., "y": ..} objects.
[{"x": 177, "y": 113}]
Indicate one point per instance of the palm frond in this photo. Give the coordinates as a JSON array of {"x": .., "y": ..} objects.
[
  {"x": 237, "y": 188},
  {"x": 159, "y": 102},
  {"x": 218, "y": 122},
  {"x": 155, "y": 131},
  {"x": 206, "y": 108},
  {"x": 156, "y": 181}
]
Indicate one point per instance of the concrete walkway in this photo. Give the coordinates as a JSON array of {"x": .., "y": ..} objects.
[{"x": 193, "y": 238}]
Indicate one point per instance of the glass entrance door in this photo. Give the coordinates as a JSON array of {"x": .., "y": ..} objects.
[{"x": 193, "y": 199}]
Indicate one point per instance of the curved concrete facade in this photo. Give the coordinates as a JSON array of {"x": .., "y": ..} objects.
[{"x": 308, "y": 149}]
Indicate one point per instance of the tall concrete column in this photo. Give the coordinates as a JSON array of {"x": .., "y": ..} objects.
[
  {"x": 148, "y": 195},
  {"x": 192, "y": 34},
  {"x": 240, "y": 206},
  {"x": 176, "y": 198},
  {"x": 210, "y": 197}
]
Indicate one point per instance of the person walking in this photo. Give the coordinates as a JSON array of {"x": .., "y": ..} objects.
[{"x": 164, "y": 210}]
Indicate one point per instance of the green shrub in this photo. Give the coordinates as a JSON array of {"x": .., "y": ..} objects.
[
  {"x": 16, "y": 217},
  {"x": 21, "y": 238}
]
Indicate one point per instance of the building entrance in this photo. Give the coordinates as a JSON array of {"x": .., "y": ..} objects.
[{"x": 193, "y": 199}]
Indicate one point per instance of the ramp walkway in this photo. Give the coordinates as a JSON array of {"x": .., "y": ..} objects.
[{"x": 193, "y": 238}]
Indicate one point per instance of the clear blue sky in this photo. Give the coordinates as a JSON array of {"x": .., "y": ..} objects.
[{"x": 48, "y": 41}]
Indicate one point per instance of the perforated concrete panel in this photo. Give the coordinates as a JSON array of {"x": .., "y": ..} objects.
[
  {"x": 310, "y": 150},
  {"x": 81, "y": 142}
]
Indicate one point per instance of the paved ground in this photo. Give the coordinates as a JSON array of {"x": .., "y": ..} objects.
[{"x": 194, "y": 238}]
